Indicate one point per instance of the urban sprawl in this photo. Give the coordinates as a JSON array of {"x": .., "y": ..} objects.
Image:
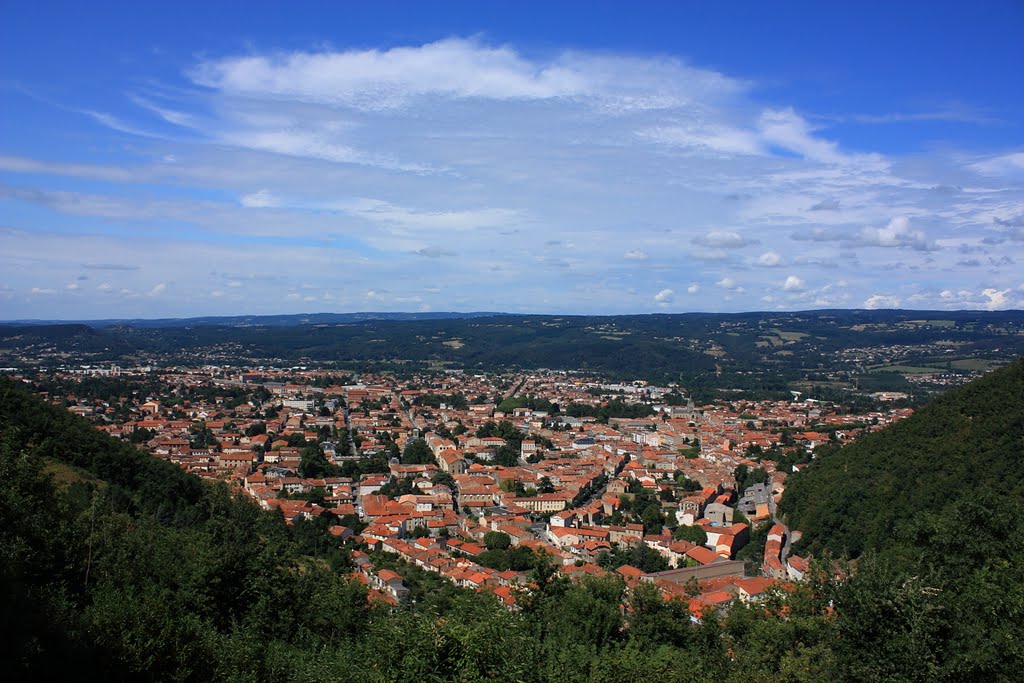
[{"x": 474, "y": 477}]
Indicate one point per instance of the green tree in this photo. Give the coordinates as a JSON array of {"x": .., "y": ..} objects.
[
  {"x": 497, "y": 540},
  {"x": 417, "y": 453},
  {"x": 693, "y": 534},
  {"x": 313, "y": 463}
]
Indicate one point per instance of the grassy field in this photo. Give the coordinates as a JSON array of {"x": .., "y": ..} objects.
[
  {"x": 933, "y": 323},
  {"x": 65, "y": 475},
  {"x": 973, "y": 364},
  {"x": 905, "y": 369}
]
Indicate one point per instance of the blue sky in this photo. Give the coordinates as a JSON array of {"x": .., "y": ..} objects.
[{"x": 179, "y": 159}]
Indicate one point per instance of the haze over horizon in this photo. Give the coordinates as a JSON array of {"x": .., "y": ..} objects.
[{"x": 187, "y": 160}]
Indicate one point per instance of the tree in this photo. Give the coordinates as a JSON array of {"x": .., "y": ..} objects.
[
  {"x": 693, "y": 534},
  {"x": 313, "y": 464},
  {"x": 746, "y": 477},
  {"x": 653, "y": 519},
  {"x": 202, "y": 437},
  {"x": 141, "y": 435},
  {"x": 400, "y": 487},
  {"x": 256, "y": 428},
  {"x": 443, "y": 479},
  {"x": 417, "y": 453},
  {"x": 641, "y": 556},
  {"x": 496, "y": 540},
  {"x": 507, "y": 456}
]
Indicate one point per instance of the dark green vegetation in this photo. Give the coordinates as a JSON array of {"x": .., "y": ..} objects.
[
  {"x": 115, "y": 565},
  {"x": 967, "y": 444},
  {"x": 823, "y": 353}
]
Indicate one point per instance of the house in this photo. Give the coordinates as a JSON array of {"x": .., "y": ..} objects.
[
  {"x": 718, "y": 513},
  {"x": 755, "y": 502},
  {"x": 797, "y": 568},
  {"x": 451, "y": 461}
]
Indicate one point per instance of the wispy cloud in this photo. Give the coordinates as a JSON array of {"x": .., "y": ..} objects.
[{"x": 462, "y": 173}]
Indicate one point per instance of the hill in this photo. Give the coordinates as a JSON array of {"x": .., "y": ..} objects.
[
  {"x": 283, "y": 320},
  {"x": 964, "y": 445},
  {"x": 825, "y": 354},
  {"x": 132, "y": 570}
]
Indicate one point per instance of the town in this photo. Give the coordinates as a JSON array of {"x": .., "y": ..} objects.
[{"x": 474, "y": 480}]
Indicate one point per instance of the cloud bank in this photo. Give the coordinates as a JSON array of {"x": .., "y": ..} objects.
[{"x": 461, "y": 174}]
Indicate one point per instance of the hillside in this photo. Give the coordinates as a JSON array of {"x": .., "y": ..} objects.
[
  {"x": 825, "y": 354},
  {"x": 966, "y": 444},
  {"x": 127, "y": 569}
]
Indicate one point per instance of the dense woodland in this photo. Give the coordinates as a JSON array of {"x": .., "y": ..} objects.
[
  {"x": 762, "y": 354},
  {"x": 967, "y": 444},
  {"x": 114, "y": 564}
]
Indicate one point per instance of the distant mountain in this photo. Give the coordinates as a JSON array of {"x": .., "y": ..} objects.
[
  {"x": 825, "y": 354},
  {"x": 264, "y": 320},
  {"x": 65, "y": 338},
  {"x": 964, "y": 445}
]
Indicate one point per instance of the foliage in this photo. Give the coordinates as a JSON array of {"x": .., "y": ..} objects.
[
  {"x": 400, "y": 487},
  {"x": 693, "y": 534},
  {"x": 617, "y": 407},
  {"x": 965, "y": 442},
  {"x": 497, "y": 540},
  {"x": 456, "y": 401},
  {"x": 642, "y": 506},
  {"x": 640, "y": 555},
  {"x": 313, "y": 463},
  {"x": 746, "y": 477},
  {"x": 443, "y": 478},
  {"x": 139, "y": 571},
  {"x": 529, "y": 401},
  {"x": 417, "y": 453},
  {"x": 660, "y": 348}
]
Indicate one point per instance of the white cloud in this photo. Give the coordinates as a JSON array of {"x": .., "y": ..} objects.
[
  {"x": 121, "y": 126},
  {"x": 157, "y": 289},
  {"x": 723, "y": 239},
  {"x": 997, "y": 299},
  {"x": 788, "y": 130},
  {"x": 177, "y": 118},
  {"x": 876, "y": 301},
  {"x": 793, "y": 284},
  {"x": 375, "y": 80},
  {"x": 665, "y": 296},
  {"x": 1002, "y": 165},
  {"x": 108, "y": 173},
  {"x": 260, "y": 200},
  {"x": 532, "y": 181},
  {"x": 296, "y": 144},
  {"x": 897, "y": 233},
  {"x": 715, "y": 138}
]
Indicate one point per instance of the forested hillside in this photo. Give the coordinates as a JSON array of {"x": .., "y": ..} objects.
[
  {"x": 966, "y": 445},
  {"x": 769, "y": 354},
  {"x": 114, "y": 565}
]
